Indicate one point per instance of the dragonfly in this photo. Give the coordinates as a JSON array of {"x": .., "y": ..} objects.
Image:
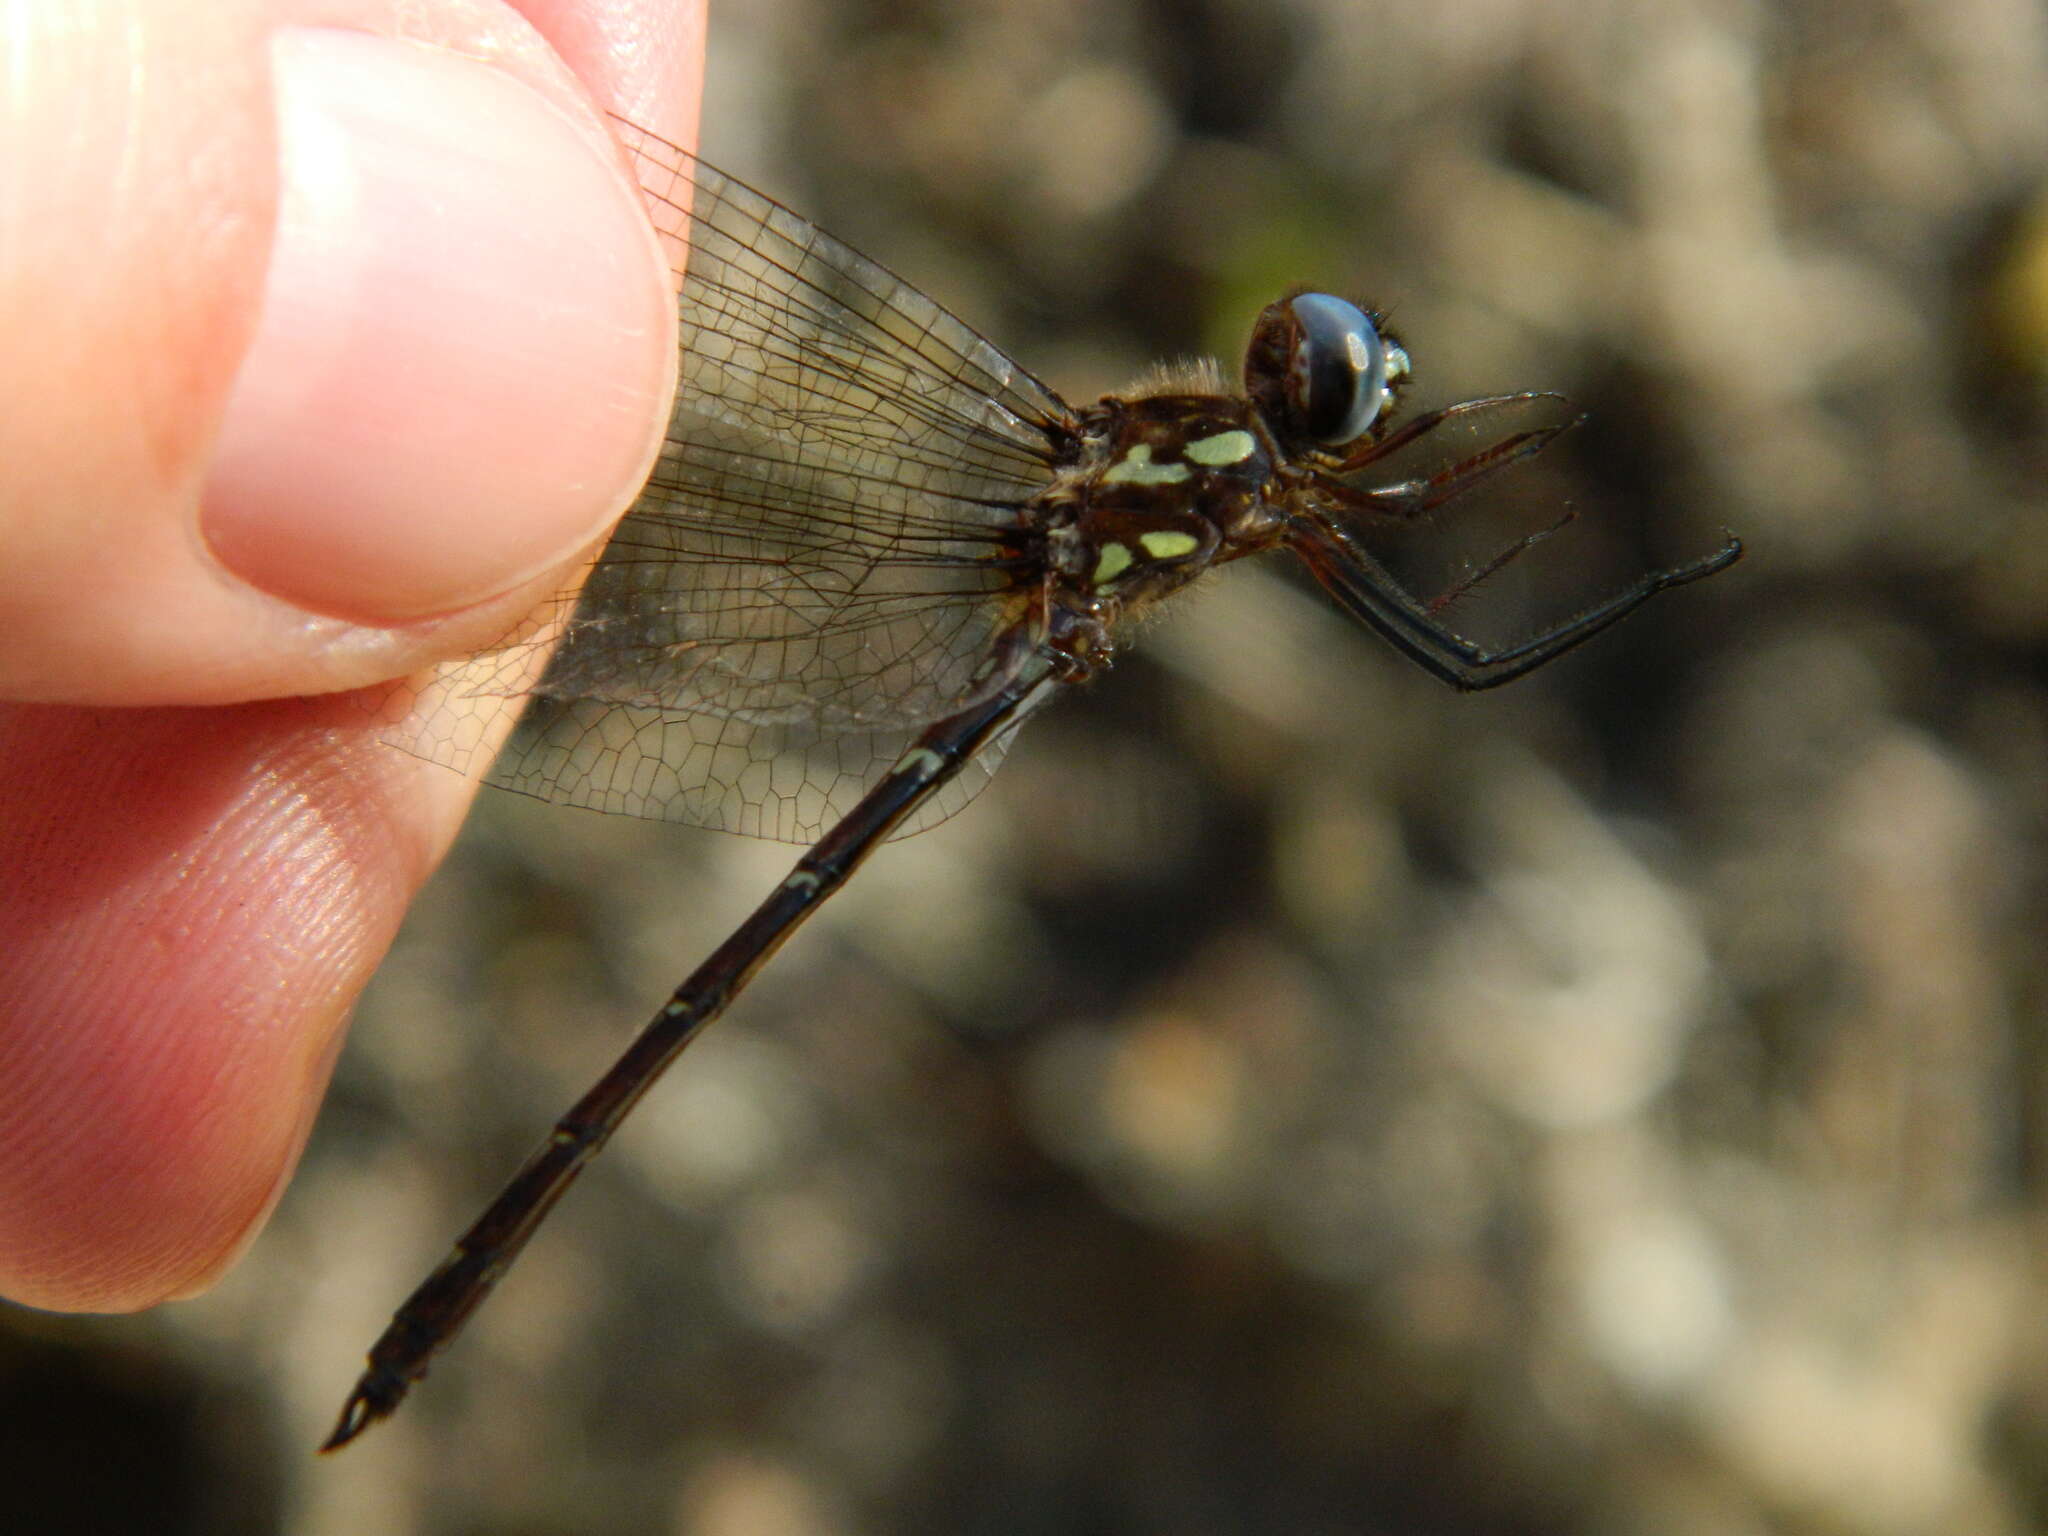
[{"x": 871, "y": 547}]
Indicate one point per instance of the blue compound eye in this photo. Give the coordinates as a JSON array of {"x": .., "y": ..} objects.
[{"x": 1337, "y": 379}]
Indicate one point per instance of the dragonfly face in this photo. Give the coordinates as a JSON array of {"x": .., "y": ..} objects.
[{"x": 1323, "y": 373}]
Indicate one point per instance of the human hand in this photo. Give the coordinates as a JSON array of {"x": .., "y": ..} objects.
[{"x": 336, "y": 331}]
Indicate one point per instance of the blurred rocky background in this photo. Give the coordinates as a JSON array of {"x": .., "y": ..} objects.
[{"x": 1294, "y": 1098}]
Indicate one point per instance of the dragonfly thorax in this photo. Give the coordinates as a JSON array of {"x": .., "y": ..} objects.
[{"x": 1168, "y": 485}]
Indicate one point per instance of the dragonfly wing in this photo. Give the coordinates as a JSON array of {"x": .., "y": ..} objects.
[
  {"x": 822, "y": 561},
  {"x": 788, "y": 783}
]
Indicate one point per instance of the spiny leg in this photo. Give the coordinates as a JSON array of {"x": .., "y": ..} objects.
[
  {"x": 1415, "y": 497},
  {"x": 1370, "y": 594},
  {"x": 1472, "y": 579}
]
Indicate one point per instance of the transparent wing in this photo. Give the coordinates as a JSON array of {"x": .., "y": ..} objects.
[
  {"x": 786, "y": 783},
  {"x": 821, "y": 562}
]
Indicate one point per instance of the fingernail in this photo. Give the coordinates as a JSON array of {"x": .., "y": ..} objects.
[{"x": 465, "y": 346}]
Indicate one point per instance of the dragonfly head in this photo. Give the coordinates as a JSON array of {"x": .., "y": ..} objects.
[{"x": 1323, "y": 373}]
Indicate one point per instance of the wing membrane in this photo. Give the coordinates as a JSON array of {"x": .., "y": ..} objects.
[{"x": 822, "y": 561}]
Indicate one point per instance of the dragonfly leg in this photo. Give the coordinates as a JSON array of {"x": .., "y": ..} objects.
[{"x": 1369, "y": 593}]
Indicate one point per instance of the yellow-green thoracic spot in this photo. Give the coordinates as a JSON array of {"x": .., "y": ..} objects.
[
  {"x": 1111, "y": 563},
  {"x": 1165, "y": 544},
  {"x": 1137, "y": 468},
  {"x": 1232, "y": 447}
]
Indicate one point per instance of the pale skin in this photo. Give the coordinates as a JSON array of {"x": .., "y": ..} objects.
[{"x": 285, "y": 417}]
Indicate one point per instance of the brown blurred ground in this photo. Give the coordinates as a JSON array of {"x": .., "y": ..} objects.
[{"x": 1294, "y": 1098}]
